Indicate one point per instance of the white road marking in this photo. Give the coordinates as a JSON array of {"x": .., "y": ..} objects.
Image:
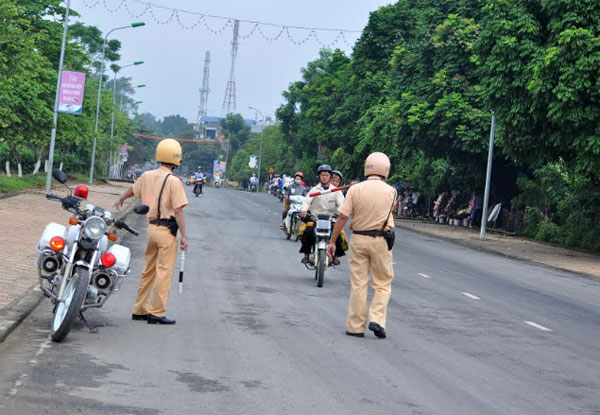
[
  {"x": 537, "y": 326},
  {"x": 471, "y": 296},
  {"x": 18, "y": 383},
  {"x": 37, "y": 288},
  {"x": 423, "y": 275}
]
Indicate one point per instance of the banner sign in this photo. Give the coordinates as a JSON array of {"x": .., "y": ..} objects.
[
  {"x": 219, "y": 167},
  {"x": 70, "y": 97},
  {"x": 253, "y": 162}
]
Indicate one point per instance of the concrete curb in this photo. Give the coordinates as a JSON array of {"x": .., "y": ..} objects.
[
  {"x": 488, "y": 250},
  {"x": 12, "y": 315}
]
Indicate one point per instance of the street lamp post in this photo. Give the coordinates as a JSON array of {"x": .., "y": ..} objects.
[
  {"x": 112, "y": 121},
  {"x": 133, "y": 25},
  {"x": 55, "y": 115},
  {"x": 262, "y": 134},
  {"x": 488, "y": 179}
]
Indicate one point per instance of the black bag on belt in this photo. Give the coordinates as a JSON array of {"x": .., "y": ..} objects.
[
  {"x": 389, "y": 235},
  {"x": 170, "y": 223}
]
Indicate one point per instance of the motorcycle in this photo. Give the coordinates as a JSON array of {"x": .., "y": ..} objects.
[
  {"x": 198, "y": 188},
  {"x": 318, "y": 261},
  {"x": 253, "y": 187},
  {"x": 77, "y": 269},
  {"x": 292, "y": 221}
]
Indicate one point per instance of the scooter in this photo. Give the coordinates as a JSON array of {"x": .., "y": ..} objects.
[{"x": 292, "y": 221}]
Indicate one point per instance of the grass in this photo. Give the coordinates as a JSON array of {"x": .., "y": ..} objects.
[
  {"x": 28, "y": 182},
  {"x": 16, "y": 184}
]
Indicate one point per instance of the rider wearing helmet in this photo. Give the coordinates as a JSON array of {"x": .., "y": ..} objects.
[
  {"x": 295, "y": 189},
  {"x": 154, "y": 186},
  {"x": 337, "y": 179},
  {"x": 199, "y": 176},
  {"x": 325, "y": 204}
]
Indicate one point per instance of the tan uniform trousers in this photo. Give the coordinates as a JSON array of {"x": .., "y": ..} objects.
[
  {"x": 161, "y": 255},
  {"x": 369, "y": 254}
]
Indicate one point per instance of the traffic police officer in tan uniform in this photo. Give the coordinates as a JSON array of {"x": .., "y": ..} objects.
[
  {"x": 369, "y": 203},
  {"x": 166, "y": 197}
]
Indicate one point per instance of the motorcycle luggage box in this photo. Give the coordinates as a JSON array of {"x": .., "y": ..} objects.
[
  {"x": 122, "y": 255},
  {"x": 52, "y": 229}
]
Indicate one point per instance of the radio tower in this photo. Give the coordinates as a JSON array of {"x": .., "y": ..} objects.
[
  {"x": 202, "y": 110},
  {"x": 229, "y": 101}
]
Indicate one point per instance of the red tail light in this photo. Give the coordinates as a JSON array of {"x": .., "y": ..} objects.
[
  {"x": 108, "y": 260},
  {"x": 57, "y": 243},
  {"x": 82, "y": 191}
]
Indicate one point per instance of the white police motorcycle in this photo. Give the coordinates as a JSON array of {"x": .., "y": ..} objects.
[{"x": 77, "y": 268}]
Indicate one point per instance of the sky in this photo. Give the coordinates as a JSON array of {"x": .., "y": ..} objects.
[{"x": 174, "y": 57}]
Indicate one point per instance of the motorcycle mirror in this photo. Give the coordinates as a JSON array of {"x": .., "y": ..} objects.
[
  {"x": 59, "y": 176},
  {"x": 141, "y": 209}
]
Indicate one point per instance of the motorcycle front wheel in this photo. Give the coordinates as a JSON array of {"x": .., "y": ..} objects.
[
  {"x": 65, "y": 312},
  {"x": 320, "y": 268}
]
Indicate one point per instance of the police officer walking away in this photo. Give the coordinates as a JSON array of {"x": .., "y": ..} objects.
[
  {"x": 369, "y": 203},
  {"x": 166, "y": 197}
]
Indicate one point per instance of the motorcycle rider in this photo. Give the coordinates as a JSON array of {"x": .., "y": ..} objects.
[
  {"x": 296, "y": 188},
  {"x": 254, "y": 181},
  {"x": 337, "y": 179},
  {"x": 199, "y": 175},
  {"x": 369, "y": 204},
  {"x": 325, "y": 204},
  {"x": 165, "y": 195}
]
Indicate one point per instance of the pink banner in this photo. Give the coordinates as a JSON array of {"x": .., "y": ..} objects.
[{"x": 70, "y": 98}]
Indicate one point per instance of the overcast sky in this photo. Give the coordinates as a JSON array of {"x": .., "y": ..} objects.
[{"x": 174, "y": 57}]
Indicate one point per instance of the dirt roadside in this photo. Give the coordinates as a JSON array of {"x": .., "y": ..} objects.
[{"x": 572, "y": 260}]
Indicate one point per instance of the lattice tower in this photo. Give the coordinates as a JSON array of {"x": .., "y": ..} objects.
[
  {"x": 203, "y": 108},
  {"x": 229, "y": 104}
]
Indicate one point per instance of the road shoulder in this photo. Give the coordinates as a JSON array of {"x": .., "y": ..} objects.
[{"x": 561, "y": 258}]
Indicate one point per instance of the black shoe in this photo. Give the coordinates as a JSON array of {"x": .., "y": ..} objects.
[
  {"x": 377, "y": 330},
  {"x": 139, "y": 316},
  {"x": 336, "y": 261},
  {"x": 159, "y": 320},
  {"x": 355, "y": 334},
  {"x": 305, "y": 259}
]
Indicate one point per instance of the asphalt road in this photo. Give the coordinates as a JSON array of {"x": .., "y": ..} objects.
[{"x": 468, "y": 333}]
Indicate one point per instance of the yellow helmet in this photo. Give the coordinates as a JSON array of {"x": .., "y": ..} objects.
[
  {"x": 169, "y": 151},
  {"x": 377, "y": 164}
]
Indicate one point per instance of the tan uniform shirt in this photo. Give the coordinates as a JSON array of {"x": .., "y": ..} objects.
[
  {"x": 147, "y": 188},
  {"x": 328, "y": 203},
  {"x": 369, "y": 203}
]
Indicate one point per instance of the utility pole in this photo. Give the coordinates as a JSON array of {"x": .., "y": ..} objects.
[{"x": 488, "y": 177}]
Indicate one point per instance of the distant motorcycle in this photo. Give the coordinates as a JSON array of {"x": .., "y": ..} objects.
[
  {"x": 292, "y": 221},
  {"x": 318, "y": 261},
  {"x": 198, "y": 187},
  {"x": 253, "y": 187},
  {"x": 77, "y": 269}
]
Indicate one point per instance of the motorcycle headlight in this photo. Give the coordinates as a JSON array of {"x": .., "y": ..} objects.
[{"x": 94, "y": 227}]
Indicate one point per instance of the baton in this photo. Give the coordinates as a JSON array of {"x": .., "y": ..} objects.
[
  {"x": 324, "y": 192},
  {"x": 180, "y": 290}
]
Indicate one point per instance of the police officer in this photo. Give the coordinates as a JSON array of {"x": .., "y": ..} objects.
[
  {"x": 165, "y": 195},
  {"x": 369, "y": 203}
]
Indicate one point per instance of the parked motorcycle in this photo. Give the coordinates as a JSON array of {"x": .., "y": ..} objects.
[
  {"x": 318, "y": 261},
  {"x": 292, "y": 221},
  {"x": 77, "y": 269}
]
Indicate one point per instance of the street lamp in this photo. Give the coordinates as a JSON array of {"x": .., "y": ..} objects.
[
  {"x": 321, "y": 70},
  {"x": 112, "y": 121},
  {"x": 133, "y": 25},
  {"x": 262, "y": 134},
  {"x": 55, "y": 115},
  {"x": 121, "y": 99}
]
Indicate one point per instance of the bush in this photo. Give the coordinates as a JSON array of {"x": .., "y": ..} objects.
[{"x": 15, "y": 184}]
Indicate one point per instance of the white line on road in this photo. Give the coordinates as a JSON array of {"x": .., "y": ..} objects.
[
  {"x": 423, "y": 275},
  {"x": 471, "y": 296},
  {"x": 537, "y": 326}
]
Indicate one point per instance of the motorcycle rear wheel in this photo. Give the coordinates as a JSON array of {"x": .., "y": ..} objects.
[
  {"x": 320, "y": 268},
  {"x": 66, "y": 312}
]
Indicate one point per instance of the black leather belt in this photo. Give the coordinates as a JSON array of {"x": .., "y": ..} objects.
[
  {"x": 373, "y": 234},
  {"x": 160, "y": 222}
]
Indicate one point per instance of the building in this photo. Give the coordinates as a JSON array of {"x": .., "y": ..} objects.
[{"x": 211, "y": 126}]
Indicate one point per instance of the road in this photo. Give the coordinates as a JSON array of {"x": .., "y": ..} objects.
[{"x": 468, "y": 333}]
